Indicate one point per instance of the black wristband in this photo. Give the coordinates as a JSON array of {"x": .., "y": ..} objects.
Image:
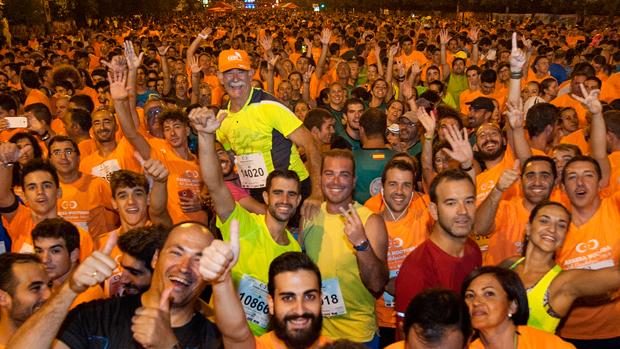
[
  {"x": 11, "y": 208},
  {"x": 468, "y": 169}
]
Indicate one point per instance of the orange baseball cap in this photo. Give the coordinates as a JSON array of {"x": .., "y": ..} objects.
[{"x": 233, "y": 59}]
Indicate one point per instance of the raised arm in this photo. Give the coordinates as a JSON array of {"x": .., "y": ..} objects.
[
  {"x": 516, "y": 131},
  {"x": 392, "y": 51},
  {"x": 133, "y": 62},
  {"x": 162, "y": 51},
  {"x": 9, "y": 154},
  {"x": 206, "y": 124},
  {"x": 429, "y": 123},
  {"x": 517, "y": 61},
  {"x": 158, "y": 197},
  {"x": 326, "y": 35},
  {"x": 473, "y": 35},
  {"x": 215, "y": 264},
  {"x": 461, "y": 149},
  {"x": 203, "y": 35},
  {"x": 118, "y": 92},
  {"x": 598, "y": 131},
  {"x": 40, "y": 330},
  {"x": 444, "y": 38},
  {"x": 303, "y": 139},
  {"x": 305, "y": 94},
  {"x": 377, "y": 52},
  {"x": 485, "y": 215},
  {"x": 372, "y": 261},
  {"x": 194, "y": 68}
]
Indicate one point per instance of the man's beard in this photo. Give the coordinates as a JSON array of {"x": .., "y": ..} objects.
[
  {"x": 483, "y": 156},
  {"x": 298, "y": 339}
]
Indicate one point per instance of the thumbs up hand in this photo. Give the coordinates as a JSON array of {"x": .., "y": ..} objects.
[
  {"x": 151, "y": 326},
  {"x": 94, "y": 269},
  {"x": 218, "y": 259}
]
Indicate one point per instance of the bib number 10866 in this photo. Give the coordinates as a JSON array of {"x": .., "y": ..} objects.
[{"x": 254, "y": 303}]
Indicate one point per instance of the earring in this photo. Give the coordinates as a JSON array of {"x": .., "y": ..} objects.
[{"x": 509, "y": 315}]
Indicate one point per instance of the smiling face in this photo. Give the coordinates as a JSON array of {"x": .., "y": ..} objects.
[
  {"x": 282, "y": 198},
  {"x": 398, "y": 189},
  {"x": 296, "y": 308},
  {"x": 237, "y": 83},
  {"x": 176, "y": 265},
  {"x": 337, "y": 180},
  {"x": 32, "y": 289},
  {"x": 131, "y": 204},
  {"x": 537, "y": 181},
  {"x": 488, "y": 303},
  {"x": 548, "y": 229}
]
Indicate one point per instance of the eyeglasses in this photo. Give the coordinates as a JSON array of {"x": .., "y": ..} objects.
[{"x": 66, "y": 152}]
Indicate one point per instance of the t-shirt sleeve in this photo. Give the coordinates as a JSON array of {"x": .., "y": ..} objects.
[
  {"x": 245, "y": 219},
  {"x": 75, "y": 328},
  {"x": 282, "y": 119}
]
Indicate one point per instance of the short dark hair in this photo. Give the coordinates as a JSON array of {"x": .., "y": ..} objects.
[
  {"x": 173, "y": 114},
  {"x": 488, "y": 75},
  {"x": 544, "y": 158},
  {"x": 447, "y": 112},
  {"x": 544, "y": 204},
  {"x": 289, "y": 262},
  {"x": 83, "y": 101},
  {"x": 539, "y": 116},
  {"x": 582, "y": 158},
  {"x": 39, "y": 165},
  {"x": 399, "y": 165},
  {"x": 316, "y": 118},
  {"x": 612, "y": 122},
  {"x": 433, "y": 311},
  {"x": 82, "y": 118},
  {"x": 448, "y": 176},
  {"x": 7, "y": 261},
  {"x": 374, "y": 122},
  {"x": 127, "y": 179},
  {"x": 30, "y": 78},
  {"x": 338, "y": 153},
  {"x": 60, "y": 138},
  {"x": 546, "y": 83},
  {"x": 142, "y": 243},
  {"x": 352, "y": 101},
  {"x": 7, "y": 102},
  {"x": 41, "y": 112},
  {"x": 512, "y": 285},
  {"x": 286, "y": 174},
  {"x": 58, "y": 228}
]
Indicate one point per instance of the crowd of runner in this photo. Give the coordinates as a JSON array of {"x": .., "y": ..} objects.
[{"x": 271, "y": 179}]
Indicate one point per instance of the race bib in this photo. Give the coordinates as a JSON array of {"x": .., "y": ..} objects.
[
  {"x": 388, "y": 299},
  {"x": 252, "y": 170},
  {"x": 253, "y": 296},
  {"x": 332, "y": 303}
]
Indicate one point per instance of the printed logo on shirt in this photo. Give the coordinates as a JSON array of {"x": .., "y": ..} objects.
[
  {"x": 582, "y": 247},
  {"x": 68, "y": 205}
]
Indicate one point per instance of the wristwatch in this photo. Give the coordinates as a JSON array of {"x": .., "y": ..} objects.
[{"x": 363, "y": 246}]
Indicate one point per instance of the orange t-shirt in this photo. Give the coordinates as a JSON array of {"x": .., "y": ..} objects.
[
  {"x": 85, "y": 201},
  {"x": 20, "y": 230},
  {"x": 36, "y": 96},
  {"x": 611, "y": 88},
  {"x": 121, "y": 158},
  {"x": 270, "y": 341},
  {"x": 532, "y": 338},
  {"x": 184, "y": 175},
  {"x": 466, "y": 97},
  {"x": 486, "y": 180},
  {"x": 408, "y": 60},
  {"x": 58, "y": 127},
  {"x": 566, "y": 100},
  {"x": 397, "y": 345},
  {"x": 87, "y": 147},
  {"x": 92, "y": 93},
  {"x": 404, "y": 236},
  {"x": 593, "y": 245},
  {"x": 506, "y": 240},
  {"x": 577, "y": 138}
]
